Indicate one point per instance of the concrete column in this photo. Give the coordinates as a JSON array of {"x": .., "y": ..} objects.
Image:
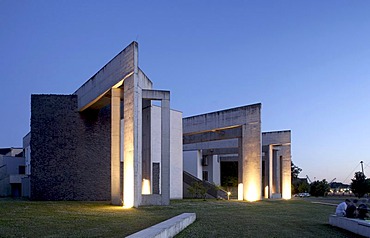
[
  {"x": 270, "y": 173},
  {"x": 215, "y": 169},
  {"x": 240, "y": 160},
  {"x": 199, "y": 167},
  {"x": 132, "y": 143},
  {"x": 277, "y": 172},
  {"x": 286, "y": 172},
  {"x": 251, "y": 155},
  {"x": 165, "y": 150},
  {"x": 115, "y": 146},
  {"x": 146, "y": 129}
]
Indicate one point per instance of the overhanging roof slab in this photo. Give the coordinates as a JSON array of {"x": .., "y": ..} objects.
[
  {"x": 223, "y": 119},
  {"x": 120, "y": 67}
]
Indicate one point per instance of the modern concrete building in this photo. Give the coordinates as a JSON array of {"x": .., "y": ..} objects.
[
  {"x": 263, "y": 160},
  {"x": 12, "y": 170},
  {"x": 107, "y": 141}
]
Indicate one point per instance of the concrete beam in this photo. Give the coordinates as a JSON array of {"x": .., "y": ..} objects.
[
  {"x": 222, "y": 119},
  {"x": 221, "y": 151},
  {"x": 231, "y": 143},
  {"x": 114, "y": 72},
  {"x": 214, "y": 135},
  {"x": 155, "y": 94},
  {"x": 276, "y": 137}
]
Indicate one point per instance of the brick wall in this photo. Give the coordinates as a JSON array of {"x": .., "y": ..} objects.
[{"x": 70, "y": 151}]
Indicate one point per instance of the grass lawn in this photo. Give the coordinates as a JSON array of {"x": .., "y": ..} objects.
[{"x": 215, "y": 218}]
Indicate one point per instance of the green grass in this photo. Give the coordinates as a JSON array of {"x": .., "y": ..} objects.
[{"x": 215, "y": 218}]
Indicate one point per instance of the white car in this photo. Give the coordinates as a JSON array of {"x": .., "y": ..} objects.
[{"x": 301, "y": 195}]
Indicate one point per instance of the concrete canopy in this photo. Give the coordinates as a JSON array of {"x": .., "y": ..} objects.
[
  {"x": 242, "y": 123},
  {"x": 122, "y": 80}
]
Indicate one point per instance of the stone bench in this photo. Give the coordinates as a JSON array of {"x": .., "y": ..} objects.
[
  {"x": 357, "y": 226},
  {"x": 168, "y": 228}
]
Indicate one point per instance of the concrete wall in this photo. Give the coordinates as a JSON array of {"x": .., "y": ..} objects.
[
  {"x": 276, "y": 137},
  {"x": 176, "y": 169},
  {"x": 70, "y": 151},
  {"x": 27, "y": 152}
]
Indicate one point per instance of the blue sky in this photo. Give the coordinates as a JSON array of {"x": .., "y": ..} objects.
[{"x": 307, "y": 62}]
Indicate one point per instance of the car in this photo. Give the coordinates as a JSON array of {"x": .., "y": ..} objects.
[{"x": 301, "y": 195}]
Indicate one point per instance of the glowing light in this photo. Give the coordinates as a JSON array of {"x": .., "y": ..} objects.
[
  {"x": 287, "y": 188},
  {"x": 240, "y": 191},
  {"x": 145, "y": 187},
  {"x": 124, "y": 207},
  {"x": 228, "y": 195},
  {"x": 267, "y": 192},
  {"x": 128, "y": 194},
  {"x": 252, "y": 193}
]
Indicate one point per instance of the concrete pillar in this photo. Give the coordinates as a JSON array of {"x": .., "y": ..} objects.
[
  {"x": 132, "y": 143},
  {"x": 240, "y": 161},
  {"x": 214, "y": 169},
  {"x": 270, "y": 173},
  {"x": 286, "y": 172},
  {"x": 277, "y": 172},
  {"x": 199, "y": 167},
  {"x": 146, "y": 144},
  {"x": 165, "y": 150},
  {"x": 251, "y": 158},
  {"x": 115, "y": 146}
]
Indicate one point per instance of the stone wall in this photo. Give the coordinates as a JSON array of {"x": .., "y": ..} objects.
[{"x": 70, "y": 151}]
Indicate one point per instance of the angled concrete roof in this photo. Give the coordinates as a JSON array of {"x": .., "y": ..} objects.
[{"x": 95, "y": 92}]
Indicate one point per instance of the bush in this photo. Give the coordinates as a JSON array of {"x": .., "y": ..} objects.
[{"x": 197, "y": 190}]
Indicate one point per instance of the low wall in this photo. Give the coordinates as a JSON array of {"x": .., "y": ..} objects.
[
  {"x": 168, "y": 228},
  {"x": 360, "y": 227}
]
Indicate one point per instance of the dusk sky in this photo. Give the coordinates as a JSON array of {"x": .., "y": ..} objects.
[{"x": 307, "y": 62}]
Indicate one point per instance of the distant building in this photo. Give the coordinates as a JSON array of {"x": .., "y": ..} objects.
[{"x": 12, "y": 170}]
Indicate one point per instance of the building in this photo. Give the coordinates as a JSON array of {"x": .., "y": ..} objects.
[
  {"x": 229, "y": 143},
  {"x": 12, "y": 170},
  {"x": 107, "y": 141}
]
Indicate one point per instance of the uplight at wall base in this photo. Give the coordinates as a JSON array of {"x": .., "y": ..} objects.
[
  {"x": 128, "y": 191},
  {"x": 145, "y": 187},
  {"x": 287, "y": 189},
  {"x": 240, "y": 191},
  {"x": 267, "y": 192},
  {"x": 252, "y": 193}
]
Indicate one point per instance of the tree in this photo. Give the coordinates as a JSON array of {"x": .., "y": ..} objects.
[
  {"x": 319, "y": 188},
  {"x": 295, "y": 170},
  {"x": 360, "y": 185},
  {"x": 303, "y": 187}
]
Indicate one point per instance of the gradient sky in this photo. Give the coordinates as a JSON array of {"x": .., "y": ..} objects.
[{"x": 307, "y": 62}]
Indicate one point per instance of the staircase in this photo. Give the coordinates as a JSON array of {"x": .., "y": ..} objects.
[{"x": 212, "y": 192}]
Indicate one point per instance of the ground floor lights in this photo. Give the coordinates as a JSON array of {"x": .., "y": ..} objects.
[{"x": 107, "y": 141}]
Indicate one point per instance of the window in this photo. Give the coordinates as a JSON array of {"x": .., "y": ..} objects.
[{"x": 22, "y": 169}]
